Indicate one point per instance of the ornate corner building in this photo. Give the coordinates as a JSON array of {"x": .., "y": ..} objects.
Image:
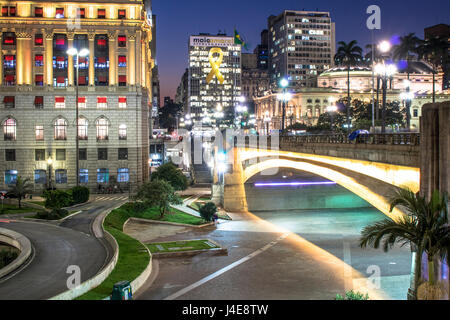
[{"x": 38, "y": 82}]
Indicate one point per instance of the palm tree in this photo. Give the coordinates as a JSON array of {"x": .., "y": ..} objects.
[
  {"x": 434, "y": 51},
  {"x": 405, "y": 51},
  {"x": 424, "y": 226},
  {"x": 21, "y": 189},
  {"x": 348, "y": 54}
]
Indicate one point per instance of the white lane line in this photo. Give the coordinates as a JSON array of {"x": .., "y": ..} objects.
[{"x": 225, "y": 269}]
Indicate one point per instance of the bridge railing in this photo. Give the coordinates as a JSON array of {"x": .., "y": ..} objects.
[{"x": 412, "y": 139}]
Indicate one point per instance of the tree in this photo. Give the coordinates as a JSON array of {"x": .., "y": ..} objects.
[
  {"x": 405, "y": 51},
  {"x": 348, "y": 54},
  {"x": 172, "y": 174},
  {"x": 21, "y": 188},
  {"x": 434, "y": 50},
  {"x": 168, "y": 115},
  {"x": 207, "y": 211},
  {"x": 424, "y": 226},
  {"x": 158, "y": 193}
]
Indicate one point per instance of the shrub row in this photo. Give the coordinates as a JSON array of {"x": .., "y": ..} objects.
[{"x": 57, "y": 199}]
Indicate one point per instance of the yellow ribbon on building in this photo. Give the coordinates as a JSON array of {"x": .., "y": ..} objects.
[{"x": 215, "y": 65}]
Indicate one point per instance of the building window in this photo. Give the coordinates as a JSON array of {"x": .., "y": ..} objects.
[
  {"x": 122, "y": 41},
  {"x": 123, "y": 132},
  {"x": 59, "y": 13},
  {"x": 102, "y": 175},
  {"x": 82, "y": 154},
  {"x": 60, "y": 154},
  {"x": 39, "y": 133},
  {"x": 83, "y": 176},
  {"x": 9, "y": 102},
  {"x": 39, "y": 60},
  {"x": 101, "y": 13},
  {"x": 82, "y": 80},
  {"x": 38, "y": 12},
  {"x": 60, "y": 129},
  {"x": 10, "y": 80},
  {"x": 9, "y": 38},
  {"x": 102, "y": 129},
  {"x": 82, "y": 129},
  {"x": 122, "y": 102},
  {"x": 9, "y": 129},
  {"x": 102, "y": 103},
  {"x": 39, "y": 102},
  {"x": 122, "y": 14},
  {"x": 82, "y": 102},
  {"x": 83, "y": 63},
  {"x": 39, "y": 154},
  {"x": 60, "y": 62},
  {"x": 10, "y": 177},
  {"x": 122, "y": 61},
  {"x": 61, "y": 176},
  {"x": 39, "y": 39},
  {"x": 123, "y": 175},
  {"x": 39, "y": 80},
  {"x": 123, "y": 154},
  {"x": 40, "y": 176},
  {"x": 415, "y": 113},
  {"x": 10, "y": 155},
  {"x": 60, "y": 102},
  {"x": 81, "y": 13},
  {"x": 60, "y": 82},
  {"x": 122, "y": 81},
  {"x": 101, "y": 62},
  {"x": 102, "y": 154},
  {"x": 8, "y": 11},
  {"x": 9, "y": 61}
]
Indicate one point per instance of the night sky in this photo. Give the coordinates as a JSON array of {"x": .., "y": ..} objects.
[{"x": 178, "y": 19}]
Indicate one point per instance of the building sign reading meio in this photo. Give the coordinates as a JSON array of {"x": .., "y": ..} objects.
[{"x": 204, "y": 41}]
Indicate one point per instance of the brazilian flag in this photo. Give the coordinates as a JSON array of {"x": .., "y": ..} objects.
[{"x": 239, "y": 40}]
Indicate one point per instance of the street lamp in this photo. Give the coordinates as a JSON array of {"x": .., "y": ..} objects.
[
  {"x": 49, "y": 162},
  {"x": 267, "y": 120},
  {"x": 331, "y": 110},
  {"x": 283, "y": 84},
  {"x": 82, "y": 53}
]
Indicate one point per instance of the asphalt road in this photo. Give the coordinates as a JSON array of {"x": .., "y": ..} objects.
[
  {"x": 319, "y": 259},
  {"x": 55, "y": 249}
]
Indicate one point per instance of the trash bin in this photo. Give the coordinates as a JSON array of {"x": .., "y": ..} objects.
[{"x": 122, "y": 291}]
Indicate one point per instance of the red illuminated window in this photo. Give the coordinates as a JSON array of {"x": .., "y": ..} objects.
[
  {"x": 39, "y": 102},
  {"x": 82, "y": 81},
  {"x": 9, "y": 38},
  {"x": 82, "y": 102},
  {"x": 122, "y": 13},
  {"x": 39, "y": 80},
  {"x": 4, "y": 11},
  {"x": 59, "y": 99},
  {"x": 9, "y": 57},
  {"x": 101, "y": 13},
  {"x": 60, "y": 41},
  {"x": 81, "y": 12},
  {"x": 60, "y": 59},
  {"x": 38, "y": 40},
  {"x": 122, "y": 61},
  {"x": 122, "y": 80},
  {"x": 101, "y": 42},
  {"x": 122, "y": 102},
  {"x": 38, "y": 60},
  {"x": 60, "y": 80},
  {"x": 9, "y": 101},
  {"x": 12, "y": 11},
  {"x": 60, "y": 102},
  {"x": 38, "y": 12},
  {"x": 10, "y": 78},
  {"x": 101, "y": 102},
  {"x": 122, "y": 41},
  {"x": 59, "y": 13}
]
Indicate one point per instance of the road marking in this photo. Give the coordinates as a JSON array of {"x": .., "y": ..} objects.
[{"x": 225, "y": 269}]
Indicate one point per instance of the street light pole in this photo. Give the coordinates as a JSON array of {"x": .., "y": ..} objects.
[{"x": 383, "y": 110}]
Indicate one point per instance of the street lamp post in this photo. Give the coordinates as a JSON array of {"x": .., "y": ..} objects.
[
  {"x": 331, "y": 110},
  {"x": 82, "y": 53},
  {"x": 267, "y": 120},
  {"x": 49, "y": 162},
  {"x": 283, "y": 83}
]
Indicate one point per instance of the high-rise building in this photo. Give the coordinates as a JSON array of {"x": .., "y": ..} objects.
[
  {"x": 301, "y": 47},
  {"x": 38, "y": 80},
  {"x": 181, "y": 96},
  {"x": 214, "y": 79},
  {"x": 441, "y": 31},
  {"x": 262, "y": 51},
  {"x": 156, "y": 94}
]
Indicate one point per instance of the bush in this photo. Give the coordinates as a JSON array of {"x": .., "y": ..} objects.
[
  {"x": 207, "y": 211},
  {"x": 172, "y": 174},
  {"x": 55, "y": 214},
  {"x": 351, "y": 295},
  {"x": 57, "y": 199},
  {"x": 80, "y": 195}
]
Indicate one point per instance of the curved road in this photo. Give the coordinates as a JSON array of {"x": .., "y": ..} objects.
[{"x": 55, "y": 249}]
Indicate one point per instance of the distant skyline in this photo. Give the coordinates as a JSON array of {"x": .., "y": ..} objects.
[{"x": 177, "y": 20}]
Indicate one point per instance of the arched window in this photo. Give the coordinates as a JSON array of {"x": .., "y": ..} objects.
[
  {"x": 102, "y": 129},
  {"x": 82, "y": 128},
  {"x": 123, "y": 132},
  {"x": 9, "y": 129},
  {"x": 60, "y": 129}
]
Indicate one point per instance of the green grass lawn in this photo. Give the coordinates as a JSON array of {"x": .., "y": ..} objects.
[
  {"x": 39, "y": 203},
  {"x": 12, "y": 209},
  {"x": 179, "y": 246}
]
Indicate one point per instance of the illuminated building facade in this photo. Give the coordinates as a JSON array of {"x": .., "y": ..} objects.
[
  {"x": 302, "y": 45},
  {"x": 38, "y": 88},
  {"x": 214, "y": 79}
]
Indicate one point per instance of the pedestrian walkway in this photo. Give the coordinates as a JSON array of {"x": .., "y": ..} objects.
[{"x": 100, "y": 197}]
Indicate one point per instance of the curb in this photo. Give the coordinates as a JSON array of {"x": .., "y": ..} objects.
[
  {"x": 146, "y": 221},
  {"x": 137, "y": 283},
  {"x": 18, "y": 241},
  {"x": 51, "y": 221},
  {"x": 220, "y": 250}
]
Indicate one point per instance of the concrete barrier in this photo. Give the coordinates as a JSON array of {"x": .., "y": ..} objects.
[
  {"x": 137, "y": 283},
  {"x": 18, "y": 241}
]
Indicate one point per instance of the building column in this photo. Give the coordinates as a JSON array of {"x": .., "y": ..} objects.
[
  {"x": 138, "y": 53},
  {"x": 23, "y": 48},
  {"x": 131, "y": 69},
  {"x": 48, "y": 62},
  {"x": 91, "y": 37},
  {"x": 70, "y": 66},
  {"x": 112, "y": 58}
]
